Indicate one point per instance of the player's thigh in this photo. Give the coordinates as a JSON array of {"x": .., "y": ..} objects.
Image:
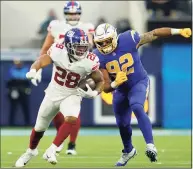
[
  {"x": 139, "y": 93},
  {"x": 121, "y": 108},
  {"x": 46, "y": 113},
  {"x": 71, "y": 106}
]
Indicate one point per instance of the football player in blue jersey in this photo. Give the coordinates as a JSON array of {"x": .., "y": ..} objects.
[{"x": 125, "y": 75}]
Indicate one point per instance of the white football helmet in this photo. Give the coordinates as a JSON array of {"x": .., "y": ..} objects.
[{"x": 105, "y": 38}]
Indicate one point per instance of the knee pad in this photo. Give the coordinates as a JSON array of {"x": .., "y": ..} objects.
[
  {"x": 121, "y": 123},
  {"x": 41, "y": 124}
]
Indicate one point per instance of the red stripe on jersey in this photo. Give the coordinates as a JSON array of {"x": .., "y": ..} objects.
[
  {"x": 91, "y": 30},
  {"x": 82, "y": 34},
  {"x": 95, "y": 67}
]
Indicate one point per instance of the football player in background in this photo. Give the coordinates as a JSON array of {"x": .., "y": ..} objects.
[
  {"x": 56, "y": 31},
  {"x": 125, "y": 75},
  {"x": 72, "y": 63}
]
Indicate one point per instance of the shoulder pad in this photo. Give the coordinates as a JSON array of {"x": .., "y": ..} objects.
[
  {"x": 55, "y": 50},
  {"x": 92, "y": 62},
  {"x": 53, "y": 24}
]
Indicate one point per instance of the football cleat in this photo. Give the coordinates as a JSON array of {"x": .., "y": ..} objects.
[
  {"x": 50, "y": 156},
  {"x": 59, "y": 149},
  {"x": 125, "y": 157},
  {"x": 151, "y": 152},
  {"x": 71, "y": 149},
  {"x": 26, "y": 157}
]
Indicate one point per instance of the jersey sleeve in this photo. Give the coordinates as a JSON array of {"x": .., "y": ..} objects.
[
  {"x": 101, "y": 59},
  {"x": 135, "y": 37},
  {"x": 131, "y": 38},
  {"x": 52, "y": 26},
  {"x": 88, "y": 27},
  {"x": 93, "y": 63},
  {"x": 91, "y": 28},
  {"x": 55, "y": 50}
]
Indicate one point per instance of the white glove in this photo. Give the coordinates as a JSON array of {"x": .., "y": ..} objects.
[
  {"x": 89, "y": 93},
  {"x": 37, "y": 78},
  {"x": 31, "y": 74}
]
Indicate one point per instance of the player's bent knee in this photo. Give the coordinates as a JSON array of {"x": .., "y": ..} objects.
[
  {"x": 40, "y": 128},
  {"x": 137, "y": 109},
  {"x": 70, "y": 119}
]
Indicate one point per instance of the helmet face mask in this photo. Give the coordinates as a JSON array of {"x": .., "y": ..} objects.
[
  {"x": 77, "y": 51},
  {"x": 105, "y": 38},
  {"x": 72, "y": 18},
  {"x": 77, "y": 44}
]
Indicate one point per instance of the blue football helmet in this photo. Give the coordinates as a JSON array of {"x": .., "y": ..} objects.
[
  {"x": 72, "y": 12},
  {"x": 76, "y": 43}
]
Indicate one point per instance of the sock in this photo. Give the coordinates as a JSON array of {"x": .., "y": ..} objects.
[
  {"x": 74, "y": 130},
  {"x": 62, "y": 134},
  {"x": 126, "y": 133},
  {"x": 143, "y": 122},
  {"x": 35, "y": 138},
  {"x": 58, "y": 120}
]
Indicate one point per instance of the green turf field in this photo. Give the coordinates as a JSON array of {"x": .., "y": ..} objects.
[{"x": 101, "y": 151}]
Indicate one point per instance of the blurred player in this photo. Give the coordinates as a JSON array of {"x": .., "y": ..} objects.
[
  {"x": 56, "y": 31},
  {"x": 123, "y": 72},
  {"x": 71, "y": 64}
]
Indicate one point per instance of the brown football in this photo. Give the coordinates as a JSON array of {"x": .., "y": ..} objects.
[{"x": 89, "y": 81}]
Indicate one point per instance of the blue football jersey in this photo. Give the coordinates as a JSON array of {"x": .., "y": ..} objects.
[{"x": 124, "y": 58}]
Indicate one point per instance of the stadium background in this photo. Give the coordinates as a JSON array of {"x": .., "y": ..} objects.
[{"x": 167, "y": 61}]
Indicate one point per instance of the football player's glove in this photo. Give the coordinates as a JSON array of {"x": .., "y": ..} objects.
[
  {"x": 89, "y": 93},
  {"x": 186, "y": 32},
  {"x": 38, "y": 78},
  {"x": 121, "y": 77}
]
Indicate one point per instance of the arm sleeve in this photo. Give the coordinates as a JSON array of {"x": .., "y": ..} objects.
[
  {"x": 96, "y": 64},
  {"x": 100, "y": 58},
  {"x": 51, "y": 26},
  {"x": 91, "y": 28}
]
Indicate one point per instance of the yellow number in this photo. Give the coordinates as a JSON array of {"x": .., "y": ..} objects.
[
  {"x": 113, "y": 66},
  {"x": 126, "y": 61}
]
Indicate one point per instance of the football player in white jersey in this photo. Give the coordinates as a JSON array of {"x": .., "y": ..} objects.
[
  {"x": 56, "y": 31},
  {"x": 72, "y": 63}
]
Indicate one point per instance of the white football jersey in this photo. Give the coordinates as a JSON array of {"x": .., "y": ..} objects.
[
  {"x": 59, "y": 28},
  {"x": 66, "y": 75}
]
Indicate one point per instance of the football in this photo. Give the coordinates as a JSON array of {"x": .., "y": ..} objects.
[{"x": 89, "y": 81}]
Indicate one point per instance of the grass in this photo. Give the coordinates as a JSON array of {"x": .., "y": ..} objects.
[{"x": 101, "y": 152}]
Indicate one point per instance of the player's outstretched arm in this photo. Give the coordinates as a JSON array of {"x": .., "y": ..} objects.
[
  {"x": 99, "y": 80},
  {"x": 163, "y": 32},
  {"x": 41, "y": 62},
  {"x": 47, "y": 43}
]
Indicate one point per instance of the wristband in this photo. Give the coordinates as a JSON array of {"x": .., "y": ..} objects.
[
  {"x": 175, "y": 31},
  {"x": 113, "y": 85}
]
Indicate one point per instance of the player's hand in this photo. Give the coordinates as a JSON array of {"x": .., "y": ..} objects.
[
  {"x": 186, "y": 32},
  {"x": 37, "y": 78},
  {"x": 31, "y": 74},
  {"x": 121, "y": 77},
  {"x": 89, "y": 93}
]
